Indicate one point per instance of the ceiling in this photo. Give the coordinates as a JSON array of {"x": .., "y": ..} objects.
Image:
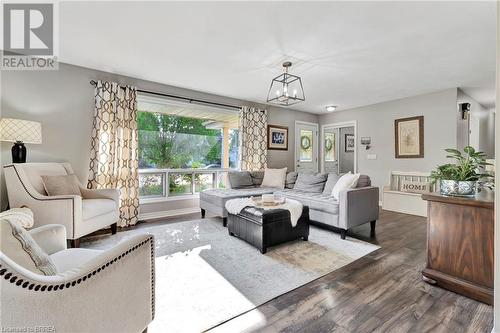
[{"x": 348, "y": 53}]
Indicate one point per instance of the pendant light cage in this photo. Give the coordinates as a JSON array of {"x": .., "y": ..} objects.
[{"x": 286, "y": 89}]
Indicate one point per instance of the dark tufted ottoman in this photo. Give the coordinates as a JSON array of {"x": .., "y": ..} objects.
[{"x": 264, "y": 228}]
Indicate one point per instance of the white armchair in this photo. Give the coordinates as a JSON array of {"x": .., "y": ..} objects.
[
  {"x": 93, "y": 291},
  {"x": 81, "y": 215}
]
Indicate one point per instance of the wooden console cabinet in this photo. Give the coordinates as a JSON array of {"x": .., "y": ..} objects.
[{"x": 460, "y": 235}]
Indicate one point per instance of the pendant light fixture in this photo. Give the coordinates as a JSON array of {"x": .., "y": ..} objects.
[{"x": 286, "y": 89}]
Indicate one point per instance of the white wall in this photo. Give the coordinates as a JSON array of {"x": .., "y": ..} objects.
[
  {"x": 377, "y": 121},
  {"x": 481, "y": 125},
  {"x": 62, "y": 101}
]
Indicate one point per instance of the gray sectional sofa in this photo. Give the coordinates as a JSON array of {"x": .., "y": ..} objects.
[{"x": 354, "y": 207}]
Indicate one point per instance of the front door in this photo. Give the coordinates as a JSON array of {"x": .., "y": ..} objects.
[{"x": 306, "y": 147}]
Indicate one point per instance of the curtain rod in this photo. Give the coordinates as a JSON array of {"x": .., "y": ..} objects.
[{"x": 189, "y": 100}]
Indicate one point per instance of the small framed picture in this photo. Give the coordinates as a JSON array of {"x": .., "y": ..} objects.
[
  {"x": 277, "y": 137},
  {"x": 349, "y": 143},
  {"x": 409, "y": 135}
]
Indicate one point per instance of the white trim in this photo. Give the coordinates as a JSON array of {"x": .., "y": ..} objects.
[
  {"x": 316, "y": 125},
  {"x": 168, "y": 213},
  {"x": 151, "y": 200},
  {"x": 351, "y": 123}
]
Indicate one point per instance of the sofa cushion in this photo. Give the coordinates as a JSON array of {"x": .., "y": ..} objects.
[
  {"x": 364, "y": 181},
  {"x": 239, "y": 179},
  {"x": 315, "y": 201},
  {"x": 257, "y": 177},
  {"x": 73, "y": 258},
  {"x": 330, "y": 183},
  {"x": 95, "y": 207},
  {"x": 291, "y": 178},
  {"x": 219, "y": 196},
  {"x": 311, "y": 182}
]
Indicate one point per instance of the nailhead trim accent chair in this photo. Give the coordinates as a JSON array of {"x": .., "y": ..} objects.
[
  {"x": 81, "y": 215},
  {"x": 93, "y": 290}
]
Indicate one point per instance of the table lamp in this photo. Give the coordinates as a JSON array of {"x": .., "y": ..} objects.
[{"x": 20, "y": 132}]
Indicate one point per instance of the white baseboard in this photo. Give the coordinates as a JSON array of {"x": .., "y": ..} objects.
[{"x": 168, "y": 213}]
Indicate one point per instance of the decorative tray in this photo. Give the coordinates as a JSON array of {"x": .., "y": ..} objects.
[{"x": 258, "y": 202}]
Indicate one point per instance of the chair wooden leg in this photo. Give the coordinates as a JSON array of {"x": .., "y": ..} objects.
[
  {"x": 224, "y": 221},
  {"x": 202, "y": 213},
  {"x": 114, "y": 227},
  {"x": 74, "y": 242}
]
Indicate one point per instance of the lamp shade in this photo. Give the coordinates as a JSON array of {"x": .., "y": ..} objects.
[{"x": 13, "y": 130}]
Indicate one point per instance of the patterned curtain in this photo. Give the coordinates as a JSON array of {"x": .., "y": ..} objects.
[
  {"x": 114, "y": 152},
  {"x": 253, "y": 138}
]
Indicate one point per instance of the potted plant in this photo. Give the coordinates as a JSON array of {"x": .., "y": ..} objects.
[{"x": 461, "y": 178}]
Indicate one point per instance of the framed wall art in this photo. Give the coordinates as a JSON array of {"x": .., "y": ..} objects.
[
  {"x": 349, "y": 143},
  {"x": 409, "y": 134},
  {"x": 277, "y": 137}
]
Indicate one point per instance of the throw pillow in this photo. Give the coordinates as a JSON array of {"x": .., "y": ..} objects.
[
  {"x": 257, "y": 177},
  {"x": 345, "y": 182},
  {"x": 240, "y": 179},
  {"x": 330, "y": 183},
  {"x": 274, "y": 178},
  {"x": 18, "y": 245},
  {"x": 61, "y": 185},
  {"x": 291, "y": 178},
  {"x": 311, "y": 182},
  {"x": 414, "y": 186}
]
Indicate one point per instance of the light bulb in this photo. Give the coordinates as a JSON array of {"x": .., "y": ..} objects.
[
  {"x": 285, "y": 89},
  {"x": 330, "y": 108},
  {"x": 277, "y": 92},
  {"x": 295, "y": 93}
]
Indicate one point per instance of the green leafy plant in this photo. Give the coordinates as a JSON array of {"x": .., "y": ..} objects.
[{"x": 466, "y": 167}]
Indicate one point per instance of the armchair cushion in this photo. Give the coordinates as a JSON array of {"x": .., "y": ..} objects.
[
  {"x": 18, "y": 245},
  {"x": 61, "y": 185},
  {"x": 95, "y": 207},
  {"x": 73, "y": 258}
]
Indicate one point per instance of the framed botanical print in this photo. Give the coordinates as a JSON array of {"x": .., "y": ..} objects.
[
  {"x": 349, "y": 143},
  {"x": 409, "y": 134},
  {"x": 277, "y": 137}
]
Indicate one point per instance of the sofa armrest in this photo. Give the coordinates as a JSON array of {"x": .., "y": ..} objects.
[
  {"x": 358, "y": 206},
  {"x": 91, "y": 290},
  {"x": 105, "y": 193},
  {"x": 50, "y": 237}
]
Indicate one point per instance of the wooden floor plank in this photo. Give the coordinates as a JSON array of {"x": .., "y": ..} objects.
[{"x": 381, "y": 292}]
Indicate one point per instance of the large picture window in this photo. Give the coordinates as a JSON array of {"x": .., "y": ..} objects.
[{"x": 183, "y": 151}]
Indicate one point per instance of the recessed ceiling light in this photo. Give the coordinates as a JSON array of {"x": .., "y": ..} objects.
[{"x": 330, "y": 108}]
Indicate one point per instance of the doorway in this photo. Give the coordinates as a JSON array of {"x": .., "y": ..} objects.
[
  {"x": 339, "y": 148},
  {"x": 306, "y": 147}
]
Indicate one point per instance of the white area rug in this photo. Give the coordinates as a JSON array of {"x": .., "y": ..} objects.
[{"x": 205, "y": 277}]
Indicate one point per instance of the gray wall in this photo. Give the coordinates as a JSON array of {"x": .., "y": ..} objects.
[
  {"x": 377, "y": 121},
  {"x": 346, "y": 159},
  {"x": 63, "y": 102}
]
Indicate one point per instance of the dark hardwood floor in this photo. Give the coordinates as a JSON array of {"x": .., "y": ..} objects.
[{"x": 381, "y": 292}]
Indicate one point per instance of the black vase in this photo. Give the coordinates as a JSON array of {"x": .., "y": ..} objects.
[{"x": 19, "y": 152}]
